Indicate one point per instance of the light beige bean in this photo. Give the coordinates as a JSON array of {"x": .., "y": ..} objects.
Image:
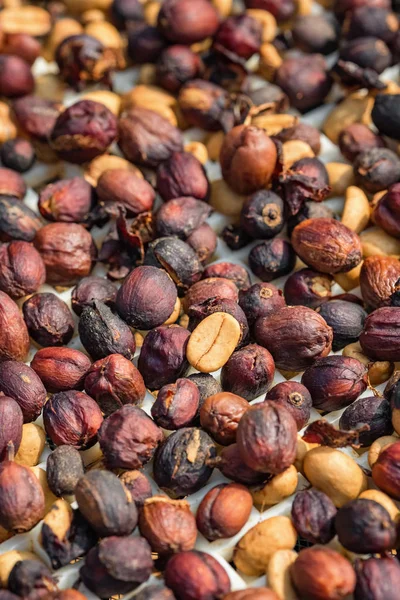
[
  {"x": 356, "y": 211},
  {"x": 31, "y": 20},
  {"x": 376, "y": 241},
  {"x": 278, "y": 574},
  {"x": 32, "y": 445},
  {"x": 341, "y": 176},
  {"x": 198, "y": 150},
  {"x": 277, "y": 489},
  {"x": 257, "y": 546},
  {"x": 335, "y": 473},
  {"x": 225, "y": 200},
  {"x": 212, "y": 342}
]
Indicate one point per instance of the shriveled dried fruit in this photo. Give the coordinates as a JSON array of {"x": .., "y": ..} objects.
[
  {"x": 372, "y": 411},
  {"x": 134, "y": 298},
  {"x": 83, "y": 59},
  {"x": 146, "y": 138},
  {"x": 68, "y": 252},
  {"x": 182, "y": 463},
  {"x": 249, "y": 372},
  {"x": 128, "y": 438},
  {"x": 384, "y": 471},
  {"x": 22, "y": 270},
  {"x": 92, "y": 288},
  {"x": 65, "y": 535},
  {"x": 364, "y": 526},
  {"x": 176, "y": 404},
  {"x": 168, "y": 525},
  {"x": 272, "y": 259},
  {"x": 220, "y": 415},
  {"x": 379, "y": 339},
  {"x": 339, "y": 579},
  {"x": 182, "y": 175},
  {"x": 295, "y": 397},
  {"x": 334, "y": 382},
  {"x": 61, "y": 368},
  {"x": 377, "y": 578},
  {"x": 49, "y": 320},
  {"x": 83, "y": 131},
  {"x": 138, "y": 485},
  {"x": 248, "y": 158},
  {"x": 163, "y": 356},
  {"x": 313, "y": 515},
  {"x": 68, "y": 200},
  {"x": 64, "y": 469},
  {"x": 123, "y": 188},
  {"x": 267, "y": 438},
  {"x": 20, "y": 382},
  {"x": 296, "y": 336},
  {"x": 117, "y": 565},
  {"x": 103, "y": 333},
  {"x": 22, "y": 499},
  {"x": 308, "y": 288},
  {"x": 17, "y": 221},
  {"x": 11, "y": 418},
  {"x": 72, "y": 418},
  {"x": 346, "y": 319},
  {"x": 114, "y": 381},
  {"x": 14, "y": 337},
  {"x": 326, "y": 245},
  {"x": 31, "y": 579},
  {"x": 386, "y": 210},
  {"x": 185, "y": 22},
  {"x": 106, "y": 503},
  {"x": 196, "y": 574}
]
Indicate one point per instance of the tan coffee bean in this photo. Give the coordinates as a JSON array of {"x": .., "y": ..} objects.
[
  {"x": 341, "y": 176},
  {"x": 111, "y": 100},
  {"x": 32, "y": 445},
  {"x": 355, "y": 108},
  {"x": 278, "y": 574},
  {"x": 295, "y": 150},
  {"x": 198, "y": 150},
  {"x": 270, "y": 61},
  {"x": 212, "y": 342},
  {"x": 273, "y": 124},
  {"x": 356, "y": 209},
  {"x": 376, "y": 241},
  {"x": 31, "y": 20},
  {"x": 225, "y": 200},
  {"x": 8, "y": 130}
]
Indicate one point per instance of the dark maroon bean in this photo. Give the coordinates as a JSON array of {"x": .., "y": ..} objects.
[
  {"x": 163, "y": 356},
  {"x": 260, "y": 300},
  {"x": 49, "y": 320},
  {"x": 136, "y": 297},
  {"x": 313, "y": 516},
  {"x": 372, "y": 411},
  {"x": 249, "y": 372},
  {"x": 295, "y": 397}
]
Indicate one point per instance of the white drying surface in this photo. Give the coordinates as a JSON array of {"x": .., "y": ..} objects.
[{"x": 222, "y": 550}]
